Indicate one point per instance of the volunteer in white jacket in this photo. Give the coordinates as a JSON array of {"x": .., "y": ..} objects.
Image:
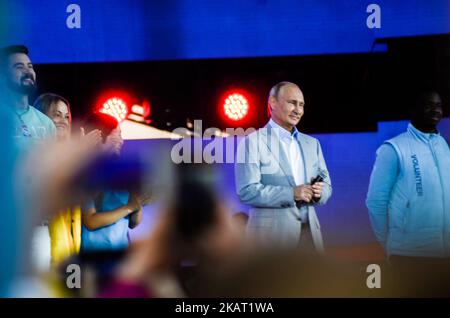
[{"x": 409, "y": 191}]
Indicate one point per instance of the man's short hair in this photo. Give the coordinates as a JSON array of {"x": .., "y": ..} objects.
[
  {"x": 6, "y": 51},
  {"x": 275, "y": 90}
]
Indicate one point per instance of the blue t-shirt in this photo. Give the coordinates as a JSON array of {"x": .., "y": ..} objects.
[
  {"x": 111, "y": 237},
  {"x": 30, "y": 127}
]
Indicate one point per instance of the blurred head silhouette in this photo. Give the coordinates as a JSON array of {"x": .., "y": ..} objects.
[{"x": 110, "y": 129}]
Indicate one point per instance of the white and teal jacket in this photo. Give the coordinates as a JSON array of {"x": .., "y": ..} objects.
[{"x": 409, "y": 195}]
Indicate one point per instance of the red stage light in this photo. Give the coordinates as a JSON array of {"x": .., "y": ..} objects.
[
  {"x": 115, "y": 107},
  {"x": 236, "y": 106}
]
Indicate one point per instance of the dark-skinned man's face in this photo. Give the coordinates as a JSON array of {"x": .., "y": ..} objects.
[{"x": 428, "y": 111}]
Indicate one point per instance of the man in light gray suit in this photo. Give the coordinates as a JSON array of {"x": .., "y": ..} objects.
[{"x": 275, "y": 171}]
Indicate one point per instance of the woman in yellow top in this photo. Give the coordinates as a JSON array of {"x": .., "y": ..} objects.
[{"x": 65, "y": 227}]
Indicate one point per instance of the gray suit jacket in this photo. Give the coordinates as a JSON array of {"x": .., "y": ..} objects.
[{"x": 264, "y": 180}]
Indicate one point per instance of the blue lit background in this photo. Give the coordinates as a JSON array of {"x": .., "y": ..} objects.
[{"x": 134, "y": 30}]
